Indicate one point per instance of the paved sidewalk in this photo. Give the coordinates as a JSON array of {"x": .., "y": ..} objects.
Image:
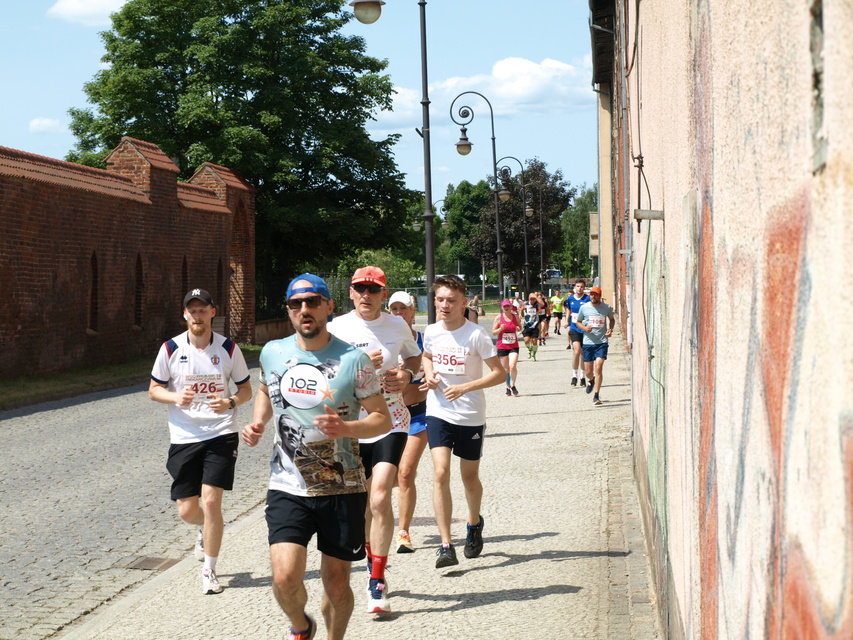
[{"x": 564, "y": 555}]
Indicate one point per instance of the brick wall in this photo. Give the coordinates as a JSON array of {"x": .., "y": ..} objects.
[{"x": 61, "y": 219}]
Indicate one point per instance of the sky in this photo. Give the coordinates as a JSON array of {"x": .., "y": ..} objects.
[{"x": 530, "y": 59}]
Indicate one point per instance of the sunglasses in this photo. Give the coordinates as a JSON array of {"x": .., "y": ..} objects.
[
  {"x": 370, "y": 288},
  {"x": 296, "y": 303}
]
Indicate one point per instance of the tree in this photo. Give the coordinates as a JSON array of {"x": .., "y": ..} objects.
[
  {"x": 574, "y": 258},
  {"x": 272, "y": 89},
  {"x": 463, "y": 205},
  {"x": 547, "y": 193}
]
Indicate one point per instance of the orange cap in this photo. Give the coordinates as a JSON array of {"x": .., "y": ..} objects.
[{"x": 369, "y": 275}]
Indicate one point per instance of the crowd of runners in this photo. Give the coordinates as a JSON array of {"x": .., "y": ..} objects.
[{"x": 354, "y": 401}]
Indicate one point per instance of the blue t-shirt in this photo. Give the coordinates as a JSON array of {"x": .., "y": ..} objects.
[
  {"x": 300, "y": 385},
  {"x": 595, "y": 317},
  {"x": 573, "y": 305}
]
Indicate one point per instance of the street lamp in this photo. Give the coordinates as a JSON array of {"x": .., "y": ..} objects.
[
  {"x": 466, "y": 115},
  {"x": 506, "y": 174},
  {"x": 368, "y": 12}
]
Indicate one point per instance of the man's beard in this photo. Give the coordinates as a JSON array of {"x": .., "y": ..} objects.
[
  {"x": 197, "y": 329},
  {"x": 309, "y": 333}
]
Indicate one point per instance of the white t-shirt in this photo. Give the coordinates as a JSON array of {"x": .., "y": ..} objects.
[
  {"x": 457, "y": 357},
  {"x": 209, "y": 371},
  {"x": 392, "y": 335}
]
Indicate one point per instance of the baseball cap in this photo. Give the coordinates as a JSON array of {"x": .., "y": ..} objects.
[
  {"x": 506, "y": 303},
  {"x": 402, "y": 296},
  {"x": 316, "y": 285},
  {"x": 369, "y": 275},
  {"x": 595, "y": 290},
  {"x": 198, "y": 294}
]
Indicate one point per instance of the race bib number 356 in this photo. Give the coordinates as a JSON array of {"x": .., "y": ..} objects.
[{"x": 451, "y": 361}]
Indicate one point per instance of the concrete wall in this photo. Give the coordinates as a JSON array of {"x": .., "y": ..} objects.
[{"x": 737, "y": 311}]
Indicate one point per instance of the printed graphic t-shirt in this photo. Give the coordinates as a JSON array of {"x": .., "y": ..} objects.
[{"x": 300, "y": 385}]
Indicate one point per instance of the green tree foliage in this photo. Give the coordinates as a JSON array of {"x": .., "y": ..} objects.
[
  {"x": 547, "y": 194},
  {"x": 463, "y": 205},
  {"x": 574, "y": 257},
  {"x": 270, "y": 88}
]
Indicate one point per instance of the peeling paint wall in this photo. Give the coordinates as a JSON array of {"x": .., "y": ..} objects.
[{"x": 740, "y": 115}]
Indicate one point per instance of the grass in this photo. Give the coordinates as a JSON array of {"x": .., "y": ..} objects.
[{"x": 27, "y": 390}]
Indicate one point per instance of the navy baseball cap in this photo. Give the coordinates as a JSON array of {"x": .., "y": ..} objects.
[
  {"x": 198, "y": 294},
  {"x": 316, "y": 285}
]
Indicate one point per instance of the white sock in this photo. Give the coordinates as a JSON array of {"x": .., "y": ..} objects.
[{"x": 209, "y": 562}]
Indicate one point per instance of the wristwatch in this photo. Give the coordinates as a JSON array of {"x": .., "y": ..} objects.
[
  {"x": 232, "y": 403},
  {"x": 411, "y": 374}
]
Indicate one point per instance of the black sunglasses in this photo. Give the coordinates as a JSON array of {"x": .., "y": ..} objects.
[
  {"x": 296, "y": 303},
  {"x": 370, "y": 288}
]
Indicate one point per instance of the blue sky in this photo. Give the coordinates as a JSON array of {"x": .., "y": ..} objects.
[{"x": 533, "y": 65}]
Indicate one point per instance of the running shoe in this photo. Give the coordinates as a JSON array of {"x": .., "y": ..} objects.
[
  {"x": 596, "y": 400},
  {"x": 514, "y": 391},
  {"x": 574, "y": 381},
  {"x": 589, "y": 385},
  {"x": 377, "y": 596},
  {"x": 569, "y": 347},
  {"x": 474, "y": 542},
  {"x": 446, "y": 556},
  {"x": 308, "y": 634},
  {"x": 199, "y": 546},
  {"x": 209, "y": 582},
  {"x": 508, "y": 391},
  {"x": 404, "y": 543}
]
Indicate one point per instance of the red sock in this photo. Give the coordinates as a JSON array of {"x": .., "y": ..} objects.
[
  {"x": 379, "y": 563},
  {"x": 367, "y": 548}
]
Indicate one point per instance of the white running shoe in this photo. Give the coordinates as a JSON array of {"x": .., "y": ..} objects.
[
  {"x": 199, "y": 547},
  {"x": 377, "y": 597},
  {"x": 209, "y": 582}
]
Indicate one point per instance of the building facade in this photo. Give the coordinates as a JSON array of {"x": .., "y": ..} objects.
[
  {"x": 726, "y": 157},
  {"x": 94, "y": 263}
]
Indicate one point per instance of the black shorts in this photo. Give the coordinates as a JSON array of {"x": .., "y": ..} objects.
[
  {"x": 337, "y": 520},
  {"x": 389, "y": 448},
  {"x": 559, "y": 316},
  {"x": 208, "y": 462},
  {"x": 575, "y": 336},
  {"x": 464, "y": 442},
  {"x": 506, "y": 352},
  {"x": 531, "y": 333}
]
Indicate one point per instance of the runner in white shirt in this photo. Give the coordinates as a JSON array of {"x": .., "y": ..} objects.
[
  {"x": 192, "y": 374},
  {"x": 385, "y": 338},
  {"x": 454, "y": 352}
]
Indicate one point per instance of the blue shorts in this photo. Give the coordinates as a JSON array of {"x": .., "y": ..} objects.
[
  {"x": 593, "y": 351},
  {"x": 464, "y": 442},
  {"x": 418, "y": 424}
]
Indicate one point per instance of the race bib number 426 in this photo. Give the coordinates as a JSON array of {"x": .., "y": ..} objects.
[
  {"x": 205, "y": 384},
  {"x": 450, "y": 360}
]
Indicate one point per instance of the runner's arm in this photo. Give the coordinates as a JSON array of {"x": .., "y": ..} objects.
[
  {"x": 262, "y": 413},
  {"x": 495, "y": 376},
  {"x": 375, "y": 423}
]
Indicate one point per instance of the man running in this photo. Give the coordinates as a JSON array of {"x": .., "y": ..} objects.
[
  {"x": 454, "y": 353},
  {"x": 385, "y": 338},
  {"x": 557, "y": 310},
  {"x": 591, "y": 320},
  {"x": 530, "y": 327},
  {"x": 324, "y": 395},
  {"x": 573, "y": 304},
  {"x": 192, "y": 374}
]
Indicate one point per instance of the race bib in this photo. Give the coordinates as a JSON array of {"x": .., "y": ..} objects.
[
  {"x": 596, "y": 322},
  {"x": 574, "y": 317},
  {"x": 449, "y": 360},
  {"x": 509, "y": 338},
  {"x": 205, "y": 384}
]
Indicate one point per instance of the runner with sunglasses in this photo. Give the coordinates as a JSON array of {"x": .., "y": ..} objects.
[
  {"x": 323, "y": 394},
  {"x": 386, "y": 339}
]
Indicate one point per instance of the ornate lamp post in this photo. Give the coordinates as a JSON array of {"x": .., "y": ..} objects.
[
  {"x": 505, "y": 174},
  {"x": 466, "y": 115},
  {"x": 368, "y": 12}
]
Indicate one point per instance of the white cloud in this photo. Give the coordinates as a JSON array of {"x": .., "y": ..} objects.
[
  {"x": 89, "y": 13},
  {"x": 45, "y": 125}
]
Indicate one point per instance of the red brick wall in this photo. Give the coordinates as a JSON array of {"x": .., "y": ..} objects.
[{"x": 55, "y": 217}]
